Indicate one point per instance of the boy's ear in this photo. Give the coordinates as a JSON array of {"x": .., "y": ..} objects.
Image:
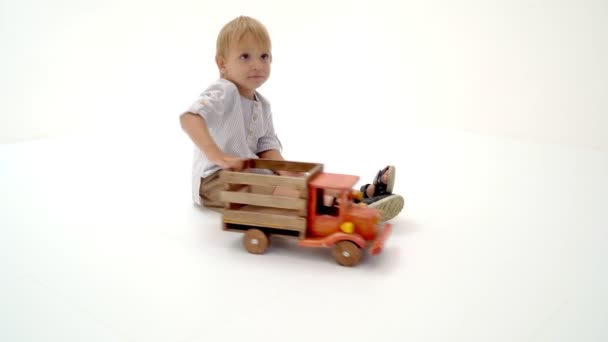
[{"x": 221, "y": 62}]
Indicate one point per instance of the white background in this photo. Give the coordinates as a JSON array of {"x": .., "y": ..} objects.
[
  {"x": 528, "y": 69},
  {"x": 494, "y": 113}
]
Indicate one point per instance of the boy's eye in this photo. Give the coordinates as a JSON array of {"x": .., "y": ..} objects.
[{"x": 244, "y": 56}]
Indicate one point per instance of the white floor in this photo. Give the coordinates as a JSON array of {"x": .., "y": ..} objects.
[{"x": 500, "y": 241}]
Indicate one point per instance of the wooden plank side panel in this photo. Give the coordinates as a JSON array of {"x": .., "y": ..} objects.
[
  {"x": 315, "y": 170},
  {"x": 234, "y": 187},
  {"x": 287, "y": 222},
  {"x": 283, "y": 165},
  {"x": 262, "y": 180},
  {"x": 263, "y": 200}
]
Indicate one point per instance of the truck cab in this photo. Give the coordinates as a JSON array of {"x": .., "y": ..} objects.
[{"x": 332, "y": 208}]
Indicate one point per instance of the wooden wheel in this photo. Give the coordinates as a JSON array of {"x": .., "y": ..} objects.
[
  {"x": 255, "y": 241},
  {"x": 347, "y": 253}
]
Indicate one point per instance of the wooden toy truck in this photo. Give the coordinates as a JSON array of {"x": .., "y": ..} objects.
[{"x": 267, "y": 204}]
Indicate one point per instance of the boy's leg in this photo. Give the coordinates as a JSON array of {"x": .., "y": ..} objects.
[
  {"x": 380, "y": 195},
  {"x": 210, "y": 189},
  {"x": 382, "y": 184}
]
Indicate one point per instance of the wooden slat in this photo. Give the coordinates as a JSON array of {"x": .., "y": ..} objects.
[
  {"x": 263, "y": 200},
  {"x": 267, "y": 210},
  {"x": 236, "y": 187},
  {"x": 283, "y": 165},
  {"x": 263, "y": 180},
  {"x": 287, "y": 222},
  {"x": 316, "y": 169}
]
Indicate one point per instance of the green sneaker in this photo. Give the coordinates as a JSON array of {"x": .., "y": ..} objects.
[{"x": 389, "y": 206}]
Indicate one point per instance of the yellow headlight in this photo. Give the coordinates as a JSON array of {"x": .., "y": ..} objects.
[{"x": 347, "y": 227}]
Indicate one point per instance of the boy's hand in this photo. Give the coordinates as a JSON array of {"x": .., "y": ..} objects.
[{"x": 229, "y": 162}]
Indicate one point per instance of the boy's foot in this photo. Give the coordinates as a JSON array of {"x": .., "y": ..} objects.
[
  {"x": 382, "y": 184},
  {"x": 388, "y": 205},
  {"x": 386, "y": 177}
]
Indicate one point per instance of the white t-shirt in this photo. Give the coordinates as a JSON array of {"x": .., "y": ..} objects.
[{"x": 238, "y": 126}]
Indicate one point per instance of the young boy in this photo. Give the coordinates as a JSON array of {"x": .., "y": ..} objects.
[{"x": 231, "y": 121}]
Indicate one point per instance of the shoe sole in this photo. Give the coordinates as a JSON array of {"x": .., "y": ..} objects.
[
  {"x": 391, "y": 178},
  {"x": 389, "y": 207}
]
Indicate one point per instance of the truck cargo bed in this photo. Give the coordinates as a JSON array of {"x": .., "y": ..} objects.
[{"x": 275, "y": 204}]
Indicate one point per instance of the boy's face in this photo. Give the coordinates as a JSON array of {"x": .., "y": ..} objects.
[{"x": 247, "y": 64}]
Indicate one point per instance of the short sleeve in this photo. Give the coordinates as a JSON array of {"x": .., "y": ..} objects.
[
  {"x": 270, "y": 140},
  {"x": 210, "y": 104}
]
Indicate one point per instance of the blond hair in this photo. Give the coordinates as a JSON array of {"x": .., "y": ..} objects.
[{"x": 236, "y": 29}]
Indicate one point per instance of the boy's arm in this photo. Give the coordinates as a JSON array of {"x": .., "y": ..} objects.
[
  {"x": 271, "y": 154},
  {"x": 196, "y": 128}
]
